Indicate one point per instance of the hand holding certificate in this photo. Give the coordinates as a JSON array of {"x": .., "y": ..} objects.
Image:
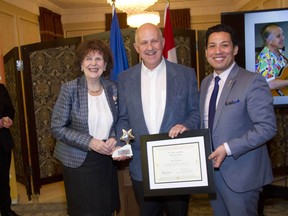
[
  {"x": 177, "y": 166},
  {"x": 126, "y": 149}
]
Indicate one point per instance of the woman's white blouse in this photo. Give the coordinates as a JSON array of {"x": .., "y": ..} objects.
[{"x": 100, "y": 118}]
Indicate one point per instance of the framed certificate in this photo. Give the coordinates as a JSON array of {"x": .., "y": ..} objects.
[{"x": 177, "y": 166}]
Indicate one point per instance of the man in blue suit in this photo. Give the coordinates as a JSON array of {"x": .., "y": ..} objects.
[
  {"x": 244, "y": 120},
  {"x": 156, "y": 96}
]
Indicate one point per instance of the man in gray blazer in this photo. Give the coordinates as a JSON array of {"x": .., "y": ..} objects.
[
  {"x": 244, "y": 120},
  {"x": 156, "y": 96}
]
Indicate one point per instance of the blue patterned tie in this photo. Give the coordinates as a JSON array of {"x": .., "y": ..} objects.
[{"x": 212, "y": 104}]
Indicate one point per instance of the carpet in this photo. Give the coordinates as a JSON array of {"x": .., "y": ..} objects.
[
  {"x": 198, "y": 206},
  {"x": 41, "y": 209}
]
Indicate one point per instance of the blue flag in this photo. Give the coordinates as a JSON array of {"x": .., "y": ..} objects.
[{"x": 117, "y": 47}]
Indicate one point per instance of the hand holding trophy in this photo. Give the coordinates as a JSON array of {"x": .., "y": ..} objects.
[{"x": 126, "y": 149}]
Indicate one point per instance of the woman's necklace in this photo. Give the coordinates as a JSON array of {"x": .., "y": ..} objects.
[{"x": 95, "y": 91}]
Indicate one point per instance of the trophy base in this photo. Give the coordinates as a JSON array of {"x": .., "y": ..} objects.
[{"x": 123, "y": 151}]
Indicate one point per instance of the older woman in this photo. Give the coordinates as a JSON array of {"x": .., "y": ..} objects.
[{"x": 83, "y": 123}]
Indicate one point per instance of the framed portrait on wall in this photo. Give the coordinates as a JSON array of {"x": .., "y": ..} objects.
[
  {"x": 248, "y": 26},
  {"x": 254, "y": 23}
]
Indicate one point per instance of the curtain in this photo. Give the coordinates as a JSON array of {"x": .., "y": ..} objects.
[
  {"x": 122, "y": 19},
  {"x": 58, "y": 28},
  {"x": 180, "y": 18},
  {"x": 50, "y": 25}
]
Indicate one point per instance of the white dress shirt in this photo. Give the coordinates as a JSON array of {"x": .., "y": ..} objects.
[{"x": 153, "y": 93}]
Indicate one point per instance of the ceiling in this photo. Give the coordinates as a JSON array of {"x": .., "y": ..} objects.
[
  {"x": 64, "y": 7},
  {"x": 80, "y": 4}
]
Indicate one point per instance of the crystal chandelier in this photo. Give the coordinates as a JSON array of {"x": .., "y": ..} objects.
[
  {"x": 132, "y": 6},
  {"x": 136, "y": 20},
  {"x": 135, "y": 10}
]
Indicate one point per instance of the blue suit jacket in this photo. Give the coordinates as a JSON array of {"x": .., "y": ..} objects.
[
  {"x": 182, "y": 106},
  {"x": 245, "y": 119},
  {"x": 69, "y": 124}
]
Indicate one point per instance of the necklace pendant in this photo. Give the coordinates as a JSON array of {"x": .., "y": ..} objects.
[{"x": 95, "y": 91}]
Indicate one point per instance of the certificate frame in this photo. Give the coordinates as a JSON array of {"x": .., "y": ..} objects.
[{"x": 177, "y": 166}]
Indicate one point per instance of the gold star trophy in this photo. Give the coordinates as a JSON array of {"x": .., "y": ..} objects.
[{"x": 126, "y": 149}]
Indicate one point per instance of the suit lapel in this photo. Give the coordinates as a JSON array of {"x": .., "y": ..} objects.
[
  {"x": 171, "y": 88},
  {"x": 83, "y": 98},
  {"x": 135, "y": 91},
  {"x": 231, "y": 79},
  {"x": 204, "y": 88},
  {"x": 111, "y": 96}
]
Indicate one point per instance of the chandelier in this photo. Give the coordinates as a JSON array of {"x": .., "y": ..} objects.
[
  {"x": 136, "y": 20},
  {"x": 135, "y": 10}
]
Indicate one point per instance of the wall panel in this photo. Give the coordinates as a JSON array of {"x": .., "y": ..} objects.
[
  {"x": 81, "y": 29},
  {"x": 29, "y": 32},
  {"x": 17, "y": 26},
  {"x": 202, "y": 22},
  {"x": 7, "y": 31},
  {"x": 269, "y": 4}
]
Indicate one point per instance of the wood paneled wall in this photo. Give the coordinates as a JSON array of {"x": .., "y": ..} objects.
[
  {"x": 203, "y": 14},
  {"x": 17, "y": 27},
  {"x": 20, "y": 27}
]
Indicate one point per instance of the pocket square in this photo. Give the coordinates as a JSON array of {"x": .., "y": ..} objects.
[{"x": 232, "y": 102}]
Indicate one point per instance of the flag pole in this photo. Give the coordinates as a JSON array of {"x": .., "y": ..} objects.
[
  {"x": 120, "y": 60},
  {"x": 169, "y": 51},
  {"x": 113, "y": 7},
  {"x": 166, "y": 8}
]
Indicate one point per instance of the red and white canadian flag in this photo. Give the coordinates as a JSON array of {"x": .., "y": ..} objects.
[{"x": 169, "y": 51}]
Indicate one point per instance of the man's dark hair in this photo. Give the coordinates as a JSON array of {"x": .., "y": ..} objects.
[{"x": 222, "y": 28}]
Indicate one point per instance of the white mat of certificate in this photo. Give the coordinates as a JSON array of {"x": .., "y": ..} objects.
[{"x": 177, "y": 163}]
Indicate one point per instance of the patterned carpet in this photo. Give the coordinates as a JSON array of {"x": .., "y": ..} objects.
[
  {"x": 198, "y": 206},
  {"x": 41, "y": 209}
]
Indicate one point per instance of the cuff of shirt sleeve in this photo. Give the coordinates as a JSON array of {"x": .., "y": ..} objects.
[{"x": 228, "y": 151}]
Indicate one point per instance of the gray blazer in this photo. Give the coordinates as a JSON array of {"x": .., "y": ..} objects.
[
  {"x": 182, "y": 106},
  {"x": 245, "y": 119},
  {"x": 69, "y": 124}
]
